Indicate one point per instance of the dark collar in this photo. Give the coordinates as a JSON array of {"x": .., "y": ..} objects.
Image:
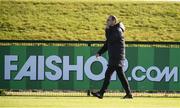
[{"x": 115, "y": 26}]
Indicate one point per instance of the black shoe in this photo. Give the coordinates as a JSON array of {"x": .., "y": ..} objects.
[
  {"x": 128, "y": 96},
  {"x": 97, "y": 94}
]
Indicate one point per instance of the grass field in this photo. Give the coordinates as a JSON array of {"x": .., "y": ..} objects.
[
  {"x": 85, "y": 20},
  {"x": 86, "y": 102}
]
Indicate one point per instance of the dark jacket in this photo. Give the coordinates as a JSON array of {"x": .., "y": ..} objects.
[{"x": 115, "y": 45}]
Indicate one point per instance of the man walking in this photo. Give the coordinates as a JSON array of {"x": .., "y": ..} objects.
[{"x": 115, "y": 45}]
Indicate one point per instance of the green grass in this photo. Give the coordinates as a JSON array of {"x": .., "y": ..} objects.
[
  {"x": 86, "y": 102},
  {"x": 84, "y": 20}
]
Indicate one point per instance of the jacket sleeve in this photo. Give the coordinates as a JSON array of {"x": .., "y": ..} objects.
[{"x": 103, "y": 49}]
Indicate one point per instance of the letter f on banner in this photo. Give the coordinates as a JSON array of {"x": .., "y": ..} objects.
[{"x": 8, "y": 67}]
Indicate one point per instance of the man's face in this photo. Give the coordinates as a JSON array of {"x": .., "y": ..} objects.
[{"x": 110, "y": 22}]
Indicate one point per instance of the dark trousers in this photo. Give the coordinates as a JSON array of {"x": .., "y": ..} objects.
[{"x": 121, "y": 77}]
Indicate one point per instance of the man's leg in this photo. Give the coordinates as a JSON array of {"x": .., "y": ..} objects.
[
  {"x": 106, "y": 82},
  {"x": 122, "y": 78},
  {"x": 107, "y": 78}
]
